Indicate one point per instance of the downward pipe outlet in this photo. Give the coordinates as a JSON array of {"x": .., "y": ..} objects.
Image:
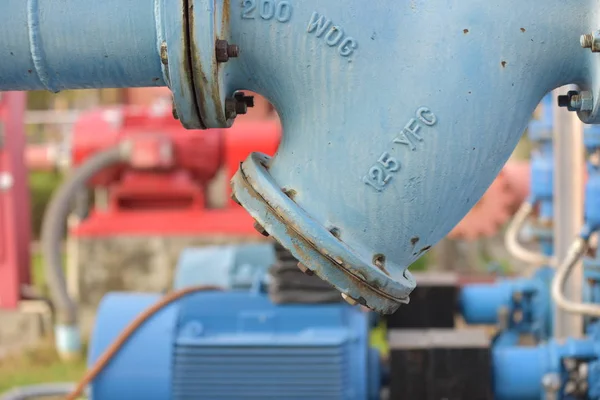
[{"x": 397, "y": 117}]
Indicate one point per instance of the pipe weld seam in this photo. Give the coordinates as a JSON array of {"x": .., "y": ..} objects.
[
  {"x": 36, "y": 47},
  {"x": 160, "y": 37}
]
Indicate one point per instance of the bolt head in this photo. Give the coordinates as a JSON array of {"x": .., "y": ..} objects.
[
  {"x": 224, "y": 51},
  {"x": 349, "y": 299},
  {"x": 587, "y": 101},
  {"x": 260, "y": 229},
  {"x": 241, "y": 108},
  {"x": 230, "y": 108},
  {"x": 242, "y": 98},
  {"x": 586, "y": 40},
  {"x": 575, "y": 101},
  {"x": 221, "y": 51},
  {"x": 233, "y": 50}
]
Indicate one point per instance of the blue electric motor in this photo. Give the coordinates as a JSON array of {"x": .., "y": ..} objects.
[
  {"x": 228, "y": 267},
  {"x": 235, "y": 345}
]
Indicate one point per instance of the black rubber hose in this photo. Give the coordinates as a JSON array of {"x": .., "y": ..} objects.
[{"x": 53, "y": 228}]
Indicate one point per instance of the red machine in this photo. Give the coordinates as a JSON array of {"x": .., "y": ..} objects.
[
  {"x": 163, "y": 188},
  {"x": 14, "y": 201}
]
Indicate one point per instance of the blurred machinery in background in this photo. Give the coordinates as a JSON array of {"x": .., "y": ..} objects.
[
  {"x": 522, "y": 306},
  {"x": 273, "y": 332},
  {"x": 157, "y": 189},
  {"x": 171, "y": 193},
  {"x": 364, "y": 183},
  {"x": 496, "y": 206},
  {"x": 15, "y": 229},
  {"x": 164, "y": 186}
]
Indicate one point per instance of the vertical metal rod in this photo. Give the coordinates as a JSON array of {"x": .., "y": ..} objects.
[{"x": 568, "y": 206}]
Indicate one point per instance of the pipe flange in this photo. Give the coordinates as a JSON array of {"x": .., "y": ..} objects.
[
  {"x": 174, "y": 47},
  {"x": 208, "y": 25},
  {"x": 312, "y": 244}
]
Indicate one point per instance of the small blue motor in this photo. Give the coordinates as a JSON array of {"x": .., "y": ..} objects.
[
  {"x": 228, "y": 267},
  {"x": 235, "y": 345}
]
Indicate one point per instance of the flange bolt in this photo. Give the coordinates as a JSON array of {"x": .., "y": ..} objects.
[{"x": 225, "y": 51}]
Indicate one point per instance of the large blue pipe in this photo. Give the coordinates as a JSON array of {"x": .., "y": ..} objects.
[
  {"x": 395, "y": 114},
  {"x": 75, "y": 44}
]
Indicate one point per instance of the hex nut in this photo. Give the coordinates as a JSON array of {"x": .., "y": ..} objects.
[
  {"x": 260, "y": 229},
  {"x": 349, "y": 299}
]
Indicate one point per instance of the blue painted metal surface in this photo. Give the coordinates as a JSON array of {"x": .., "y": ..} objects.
[
  {"x": 518, "y": 371},
  {"x": 232, "y": 345},
  {"x": 71, "y": 44},
  {"x": 147, "y": 356},
  {"x": 380, "y": 167},
  {"x": 228, "y": 267},
  {"x": 397, "y": 196}
]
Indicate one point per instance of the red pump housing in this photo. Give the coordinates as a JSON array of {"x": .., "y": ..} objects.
[{"x": 163, "y": 187}]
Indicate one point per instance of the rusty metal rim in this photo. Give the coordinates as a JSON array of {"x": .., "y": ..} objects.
[
  {"x": 258, "y": 162},
  {"x": 205, "y": 25},
  {"x": 178, "y": 65}
]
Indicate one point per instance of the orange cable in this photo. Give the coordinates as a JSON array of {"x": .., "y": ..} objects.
[{"x": 118, "y": 343}]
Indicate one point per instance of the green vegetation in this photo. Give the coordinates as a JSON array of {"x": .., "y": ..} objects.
[
  {"x": 421, "y": 264},
  {"x": 39, "y": 365},
  {"x": 378, "y": 339}
]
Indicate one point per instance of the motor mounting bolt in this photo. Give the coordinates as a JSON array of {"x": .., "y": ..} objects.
[{"x": 225, "y": 51}]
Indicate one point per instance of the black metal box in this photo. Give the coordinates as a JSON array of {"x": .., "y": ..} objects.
[
  {"x": 440, "y": 364},
  {"x": 432, "y": 303}
]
